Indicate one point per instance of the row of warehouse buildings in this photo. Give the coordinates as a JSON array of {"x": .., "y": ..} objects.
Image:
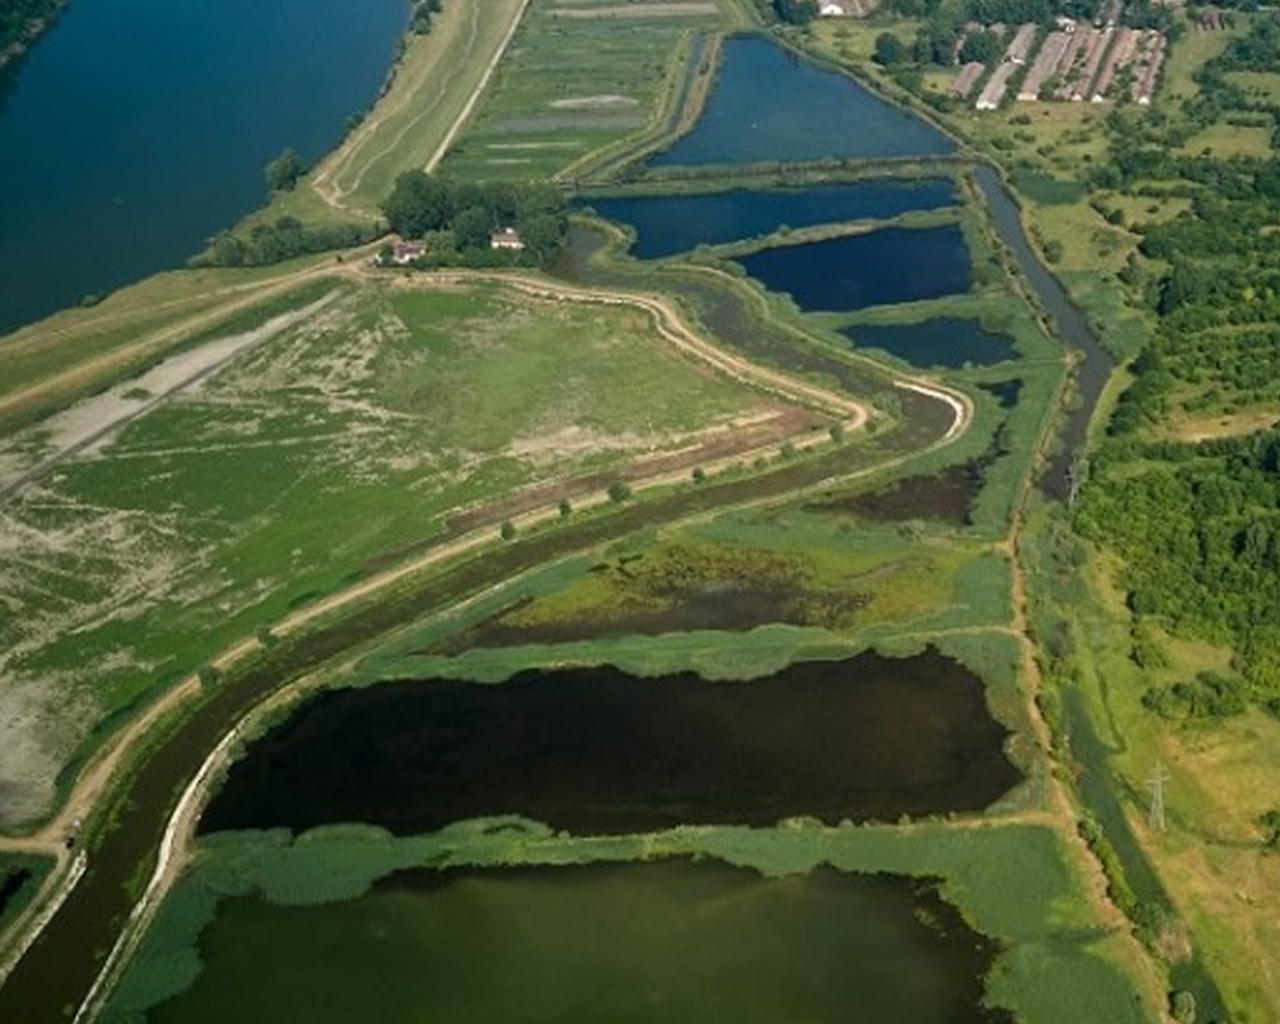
[{"x": 1073, "y": 62}]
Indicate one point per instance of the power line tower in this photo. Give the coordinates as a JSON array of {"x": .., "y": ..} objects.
[{"x": 1156, "y": 783}]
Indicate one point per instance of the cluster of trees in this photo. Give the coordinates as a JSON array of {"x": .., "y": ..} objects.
[
  {"x": 283, "y": 172},
  {"x": 456, "y": 218},
  {"x": 420, "y": 19},
  {"x": 21, "y": 21},
  {"x": 794, "y": 12},
  {"x": 1198, "y": 527},
  {"x": 1208, "y": 696},
  {"x": 284, "y": 239}
]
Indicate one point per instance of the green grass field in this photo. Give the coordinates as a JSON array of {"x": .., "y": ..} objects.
[
  {"x": 1264, "y": 85},
  {"x": 342, "y": 440}
]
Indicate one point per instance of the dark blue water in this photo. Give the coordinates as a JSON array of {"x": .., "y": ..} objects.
[
  {"x": 669, "y": 224},
  {"x": 768, "y": 105},
  {"x": 138, "y": 128},
  {"x": 943, "y": 341},
  {"x": 877, "y": 268}
]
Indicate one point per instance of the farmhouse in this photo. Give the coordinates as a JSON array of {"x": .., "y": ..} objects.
[
  {"x": 404, "y": 253},
  {"x": 507, "y": 238}
]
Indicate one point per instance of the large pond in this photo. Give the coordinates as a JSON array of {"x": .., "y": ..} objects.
[
  {"x": 768, "y": 105},
  {"x": 617, "y": 943},
  {"x": 136, "y": 129},
  {"x": 948, "y": 341},
  {"x": 593, "y": 750},
  {"x": 668, "y": 224},
  {"x": 884, "y": 267}
]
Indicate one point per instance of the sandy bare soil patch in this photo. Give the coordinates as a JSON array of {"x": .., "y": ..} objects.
[
  {"x": 594, "y": 102},
  {"x": 90, "y": 422}
]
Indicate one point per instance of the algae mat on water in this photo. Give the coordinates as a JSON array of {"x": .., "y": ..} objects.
[
  {"x": 664, "y": 941},
  {"x": 594, "y": 935}
]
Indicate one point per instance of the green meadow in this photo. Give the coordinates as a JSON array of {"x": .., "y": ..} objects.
[{"x": 308, "y": 462}]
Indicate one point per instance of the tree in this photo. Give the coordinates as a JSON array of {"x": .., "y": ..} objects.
[
  {"x": 417, "y": 204},
  {"x": 508, "y": 530},
  {"x": 1269, "y": 822},
  {"x": 795, "y": 12},
  {"x": 890, "y": 50},
  {"x": 284, "y": 171},
  {"x": 1182, "y": 1007},
  {"x": 983, "y": 47},
  {"x": 471, "y": 228},
  {"x": 566, "y": 508},
  {"x": 619, "y": 492},
  {"x": 699, "y": 474}
]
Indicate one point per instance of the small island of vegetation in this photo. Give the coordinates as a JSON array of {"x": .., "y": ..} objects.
[{"x": 21, "y": 21}]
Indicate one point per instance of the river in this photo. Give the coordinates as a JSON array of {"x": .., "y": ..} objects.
[{"x": 136, "y": 129}]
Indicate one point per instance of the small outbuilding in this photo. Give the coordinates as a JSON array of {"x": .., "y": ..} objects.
[{"x": 507, "y": 238}]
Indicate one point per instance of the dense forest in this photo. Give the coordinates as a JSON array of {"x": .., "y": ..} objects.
[
  {"x": 23, "y": 20},
  {"x": 1197, "y": 522}
]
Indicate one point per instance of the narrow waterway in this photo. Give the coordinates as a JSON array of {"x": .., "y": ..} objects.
[{"x": 1093, "y": 371}]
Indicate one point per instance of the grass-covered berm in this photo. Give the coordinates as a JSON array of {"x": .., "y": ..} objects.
[
  {"x": 1049, "y": 958},
  {"x": 208, "y": 498}
]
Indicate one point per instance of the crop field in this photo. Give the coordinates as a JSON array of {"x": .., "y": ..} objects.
[
  {"x": 579, "y": 77},
  {"x": 334, "y": 442},
  {"x": 1016, "y": 883}
]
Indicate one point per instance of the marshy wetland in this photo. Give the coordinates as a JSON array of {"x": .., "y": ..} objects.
[{"x": 600, "y": 828}]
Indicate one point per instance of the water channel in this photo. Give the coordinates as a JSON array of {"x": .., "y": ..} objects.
[{"x": 668, "y": 224}]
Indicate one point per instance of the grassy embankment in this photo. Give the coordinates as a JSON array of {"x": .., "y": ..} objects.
[{"x": 429, "y": 88}]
